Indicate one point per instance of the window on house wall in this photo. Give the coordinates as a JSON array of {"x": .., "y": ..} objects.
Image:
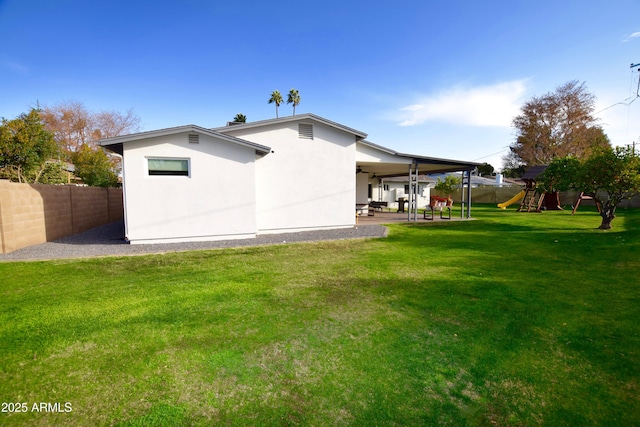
[
  {"x": 370, "y": 191},
  {"x": 305, "y": 131},
  {"x": 406, "y": 189},
  {"x": 168, "y": 167},
  {"x": 385, "y": 187}
]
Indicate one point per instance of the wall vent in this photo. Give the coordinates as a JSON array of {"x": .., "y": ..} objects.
[
  {"x": 194, "y": 138},
  {"x": 305, "y": 131}
]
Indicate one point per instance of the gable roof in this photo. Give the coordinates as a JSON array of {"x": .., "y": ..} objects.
[
  {"x": 115, "y": 144},
  {"x": 296, "y": 118}
]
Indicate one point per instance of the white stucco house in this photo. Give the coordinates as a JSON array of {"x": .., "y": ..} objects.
[
  {"x": 393, "y": 188},
  {"x": 295, "y": 173}
]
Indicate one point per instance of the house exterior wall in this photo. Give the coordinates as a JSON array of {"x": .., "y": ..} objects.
[
  {"x": 365, "y": 154},
  {"x": 362, "y": 188},
  {"x": 303, "y": 184},
  {"x": 215, "y": 202},
  {"x": 396, "y": 189}
]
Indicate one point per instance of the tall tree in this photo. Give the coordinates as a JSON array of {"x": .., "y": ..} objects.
[
  {"x": 240, "y": 118},
  {"x": 73, "y": 125},
  {"x": 107, "y": 124},
  {"x": 557, "y": 124},
  {"x": 293, "y": 98},
  {"x": 276, "y": 98},
  {"x": 512, "y": 166},
  {"x": 25, "y": 146}
]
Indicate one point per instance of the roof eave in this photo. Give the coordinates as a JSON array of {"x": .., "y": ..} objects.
[
  {"x": 118, "y": 141},
  {"x": 307, "y": 116},
  {"x": 439, "y": 161}
]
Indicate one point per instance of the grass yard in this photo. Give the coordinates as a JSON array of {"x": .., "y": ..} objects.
[{"x": 510, "y": 319}]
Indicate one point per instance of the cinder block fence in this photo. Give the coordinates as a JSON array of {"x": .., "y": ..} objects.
[
  {"x": 35, "y": 213},
  {"x": 502, "y": 194}
]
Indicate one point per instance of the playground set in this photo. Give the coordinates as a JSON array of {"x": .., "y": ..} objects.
[{"x": 530, "y": 200}]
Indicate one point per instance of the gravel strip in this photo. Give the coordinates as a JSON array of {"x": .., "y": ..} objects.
[{"x": 108, "y": 240}]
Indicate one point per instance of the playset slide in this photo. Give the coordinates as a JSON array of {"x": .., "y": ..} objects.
[{"x": 512, "y": 200}]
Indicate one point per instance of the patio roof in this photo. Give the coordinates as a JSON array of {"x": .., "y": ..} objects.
[
  {"x": 382, "y": 162},
  {"x": 385, "y": 162}
]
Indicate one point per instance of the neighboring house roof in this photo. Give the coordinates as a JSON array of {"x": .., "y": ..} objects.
[
  {"x": 296, "y": 118},
  {"x": 115, "y": 144},
  {"x": 478, "y": 180}
]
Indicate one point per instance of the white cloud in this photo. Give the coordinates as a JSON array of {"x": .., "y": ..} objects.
[
  {"x": 632, "y": 36},
  {"x": 482, "y": 106},
  {"x": 14, "y": 66}
]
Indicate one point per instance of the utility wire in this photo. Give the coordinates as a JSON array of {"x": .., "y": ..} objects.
[
  {"x": 489, "y": 155},
  {"x": 627, "y": 102}
]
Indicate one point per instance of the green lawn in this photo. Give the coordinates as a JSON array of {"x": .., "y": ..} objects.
[{"x": 509, "y": 319}]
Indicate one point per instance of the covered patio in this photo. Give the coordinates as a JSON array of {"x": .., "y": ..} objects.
[
  {"x": 374, "y": 163},
  {"x": 389, "y": 217}
]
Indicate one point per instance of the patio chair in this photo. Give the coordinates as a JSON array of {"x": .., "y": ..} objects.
[{"x": 441, "y": 203}]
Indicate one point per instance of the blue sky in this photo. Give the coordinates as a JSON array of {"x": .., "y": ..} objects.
[{"x": 436, "y": 78}]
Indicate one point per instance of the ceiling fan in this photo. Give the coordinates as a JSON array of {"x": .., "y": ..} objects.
[{"x": 360, "y": 170}]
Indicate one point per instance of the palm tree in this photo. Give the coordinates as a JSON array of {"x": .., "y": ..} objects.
[
  {"x": 293, "y": 98},
  {"x": 240, "y": 118},
  {"x": 276, "y": 98}
]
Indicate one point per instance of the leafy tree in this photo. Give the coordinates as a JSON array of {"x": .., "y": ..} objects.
[
  {"x": 25, "y": 146},
  {"x": 276, "y": 98},
  {"x": 448, "y": 184},
  {"x": 485, "y": 169},
  {"x": 293, "y": 98},
  {"x": 53, "y": 173},
  {"x": 94, "y": 167},
  {"x": 516, "y": 172},
  {"x": 557, "y": 124},
  {"x": 560, "y": 175},
  {"x": 240, "y": 118},
  {"x": 608, "y": 175}
]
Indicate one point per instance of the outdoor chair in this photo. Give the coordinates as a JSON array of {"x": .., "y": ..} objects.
[{"x": 441, "y": 203}]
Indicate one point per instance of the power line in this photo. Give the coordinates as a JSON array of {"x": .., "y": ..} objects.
[
  {"x": 489, "y": 155},
  {"x": 627, "y": 102}
]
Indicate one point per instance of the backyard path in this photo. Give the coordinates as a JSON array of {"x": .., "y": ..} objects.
[{"x": 108, "y": 240}]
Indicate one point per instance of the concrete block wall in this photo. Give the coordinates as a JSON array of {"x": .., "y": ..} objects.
[
  {"x": 502, "y": 194},
  {"x": 35, "y": 213}
]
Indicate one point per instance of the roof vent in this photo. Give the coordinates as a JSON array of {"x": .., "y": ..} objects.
[
  {"x": 194, "y": 138},
  {"x": 305, "y": 131}
]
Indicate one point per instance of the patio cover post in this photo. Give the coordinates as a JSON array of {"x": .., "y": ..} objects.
[
  {"x": 413, "y": 192},
  {"x": 466, "y": 181},
  {"x": 410, "y": 194}
]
